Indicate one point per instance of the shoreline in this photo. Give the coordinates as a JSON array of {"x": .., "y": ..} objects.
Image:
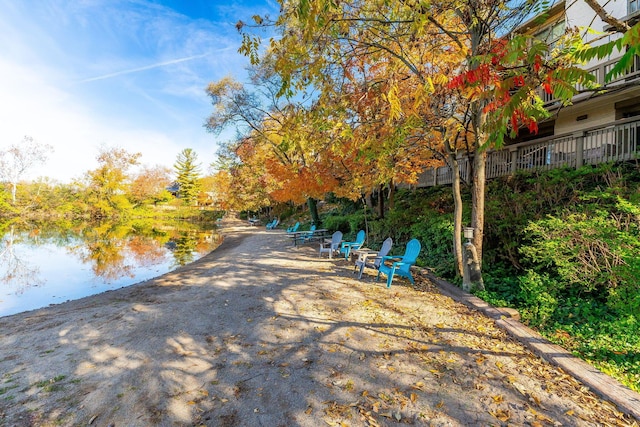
[{"x": 106, "y": 286}]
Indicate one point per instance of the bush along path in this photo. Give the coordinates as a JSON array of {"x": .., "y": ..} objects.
[{"x": 264, "y": 334}]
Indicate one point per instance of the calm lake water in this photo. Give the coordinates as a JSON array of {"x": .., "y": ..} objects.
[{"x": 43, "y": 264}]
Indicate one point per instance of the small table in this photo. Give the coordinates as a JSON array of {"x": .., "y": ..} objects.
[
  {"x": 363, "y": 253},
  {"x": 361, "y": 258}
]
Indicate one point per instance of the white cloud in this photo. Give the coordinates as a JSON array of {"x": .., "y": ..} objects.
[{"x": 79, "y": 75}]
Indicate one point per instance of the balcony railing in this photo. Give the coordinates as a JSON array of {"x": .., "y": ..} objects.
[
  {"x": 600, "y": 72},
  {"x": 613, "y": 143}
]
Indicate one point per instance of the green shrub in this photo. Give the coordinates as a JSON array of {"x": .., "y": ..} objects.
[
  {"x": 336, "y": 223},
  {"x": 435, "y": 233},
  {"x": 502, "y": 287},
  {"x": 539, "y": 297},
  {"x": 595, "y": 254}
]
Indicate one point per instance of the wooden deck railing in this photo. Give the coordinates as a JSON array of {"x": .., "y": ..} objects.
[
  {"x": 616, "y": 142},
  {"x": 599, "y": 72}
]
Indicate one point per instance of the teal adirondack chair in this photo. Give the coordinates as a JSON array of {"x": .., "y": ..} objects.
[
  {"x": 273, "y": 224},
  {"x": 347, "y": 247},
  {"x": 401, "y": 264},
  {"x": 293, "y": 228},
  {"x": 309, "y": 234}
]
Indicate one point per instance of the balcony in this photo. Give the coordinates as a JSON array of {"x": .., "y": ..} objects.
[
  {"x": 630, "y": 77},
  {"x": 616, "y": 142}
]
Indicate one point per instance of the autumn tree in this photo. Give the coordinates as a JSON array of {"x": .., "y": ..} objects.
[
  {"x": 150, "y": 185},
  {"x": 280, "y": 134},
  {"x": 16, "y": 161},
  {"x": 323, "y": 40},
  {"x": 107, "y": 186},
  {"x": 187, "y": 171}
]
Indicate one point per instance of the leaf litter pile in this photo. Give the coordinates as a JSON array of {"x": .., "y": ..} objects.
[{"x": 263, "y": 334}]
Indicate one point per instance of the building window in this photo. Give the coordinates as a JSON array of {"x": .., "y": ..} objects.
[
  {"x": 553, "y": 32},
  {"x": 633, "y": 6}
]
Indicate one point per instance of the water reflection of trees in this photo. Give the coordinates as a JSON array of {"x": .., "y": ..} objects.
[
  {"x": 113, "y": 250},
  {"x": 14, "y": 269},
  {"x": 104, "y": 249}
]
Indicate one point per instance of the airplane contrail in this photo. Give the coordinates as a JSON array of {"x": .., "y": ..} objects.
[{"x": 148, "y": 67}]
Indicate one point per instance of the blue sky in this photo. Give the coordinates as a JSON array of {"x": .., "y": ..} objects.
[{"x": 85, "y": 74}]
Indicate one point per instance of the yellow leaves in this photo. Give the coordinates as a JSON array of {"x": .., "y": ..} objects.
[
  {"x": 394, "y": 103},
  {"x": 418, "y": 386},
  {"x": 498, "y": 398},
  {"x": 502, "y": 414},
  {"x": 440, "y": 79}
]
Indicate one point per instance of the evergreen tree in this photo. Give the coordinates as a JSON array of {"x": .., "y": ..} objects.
[{"x": 188, "y": 175}]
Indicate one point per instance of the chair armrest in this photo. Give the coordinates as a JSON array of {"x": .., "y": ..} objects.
[
  {"x": 364, "y": 256},
  {"x": 400, "y": 257},
  {"x": 399, "y": 263}
]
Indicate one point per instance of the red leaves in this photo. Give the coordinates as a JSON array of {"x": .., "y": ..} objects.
[
  {"x": 518, "y": 81},
  {"x": 537, "y": 63},
  {"x": 483, "y": 75},
  {"x": 547, "y": 85}
]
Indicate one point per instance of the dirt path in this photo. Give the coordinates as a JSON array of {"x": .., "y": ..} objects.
[{"x": 259, "y": 333}]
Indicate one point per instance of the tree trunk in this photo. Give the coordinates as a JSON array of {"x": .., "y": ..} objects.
[
  {"x": 14, "y": 186},
  {"x": 313, "y": 210},
  {"x": 368, "y": 199},
  {"x": 478, "y": 201},
  {"x": 392, "y": 194},
  {"x": 381, "y": 201},
  {"x": 457, "y": 214}
]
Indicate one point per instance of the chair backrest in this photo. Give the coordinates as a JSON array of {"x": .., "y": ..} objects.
[
  {"x": 336, "y": 238},
  {"x": 384, "y": 251},
  {"x": 411, "y": 253},
  {"x": 360, "y": 237},
  {"x": 293, "y": 228},
  {"x": 312, "y": 228}
]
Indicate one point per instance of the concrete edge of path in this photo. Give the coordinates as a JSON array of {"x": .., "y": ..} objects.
[{"x": 627, "y": 400}]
